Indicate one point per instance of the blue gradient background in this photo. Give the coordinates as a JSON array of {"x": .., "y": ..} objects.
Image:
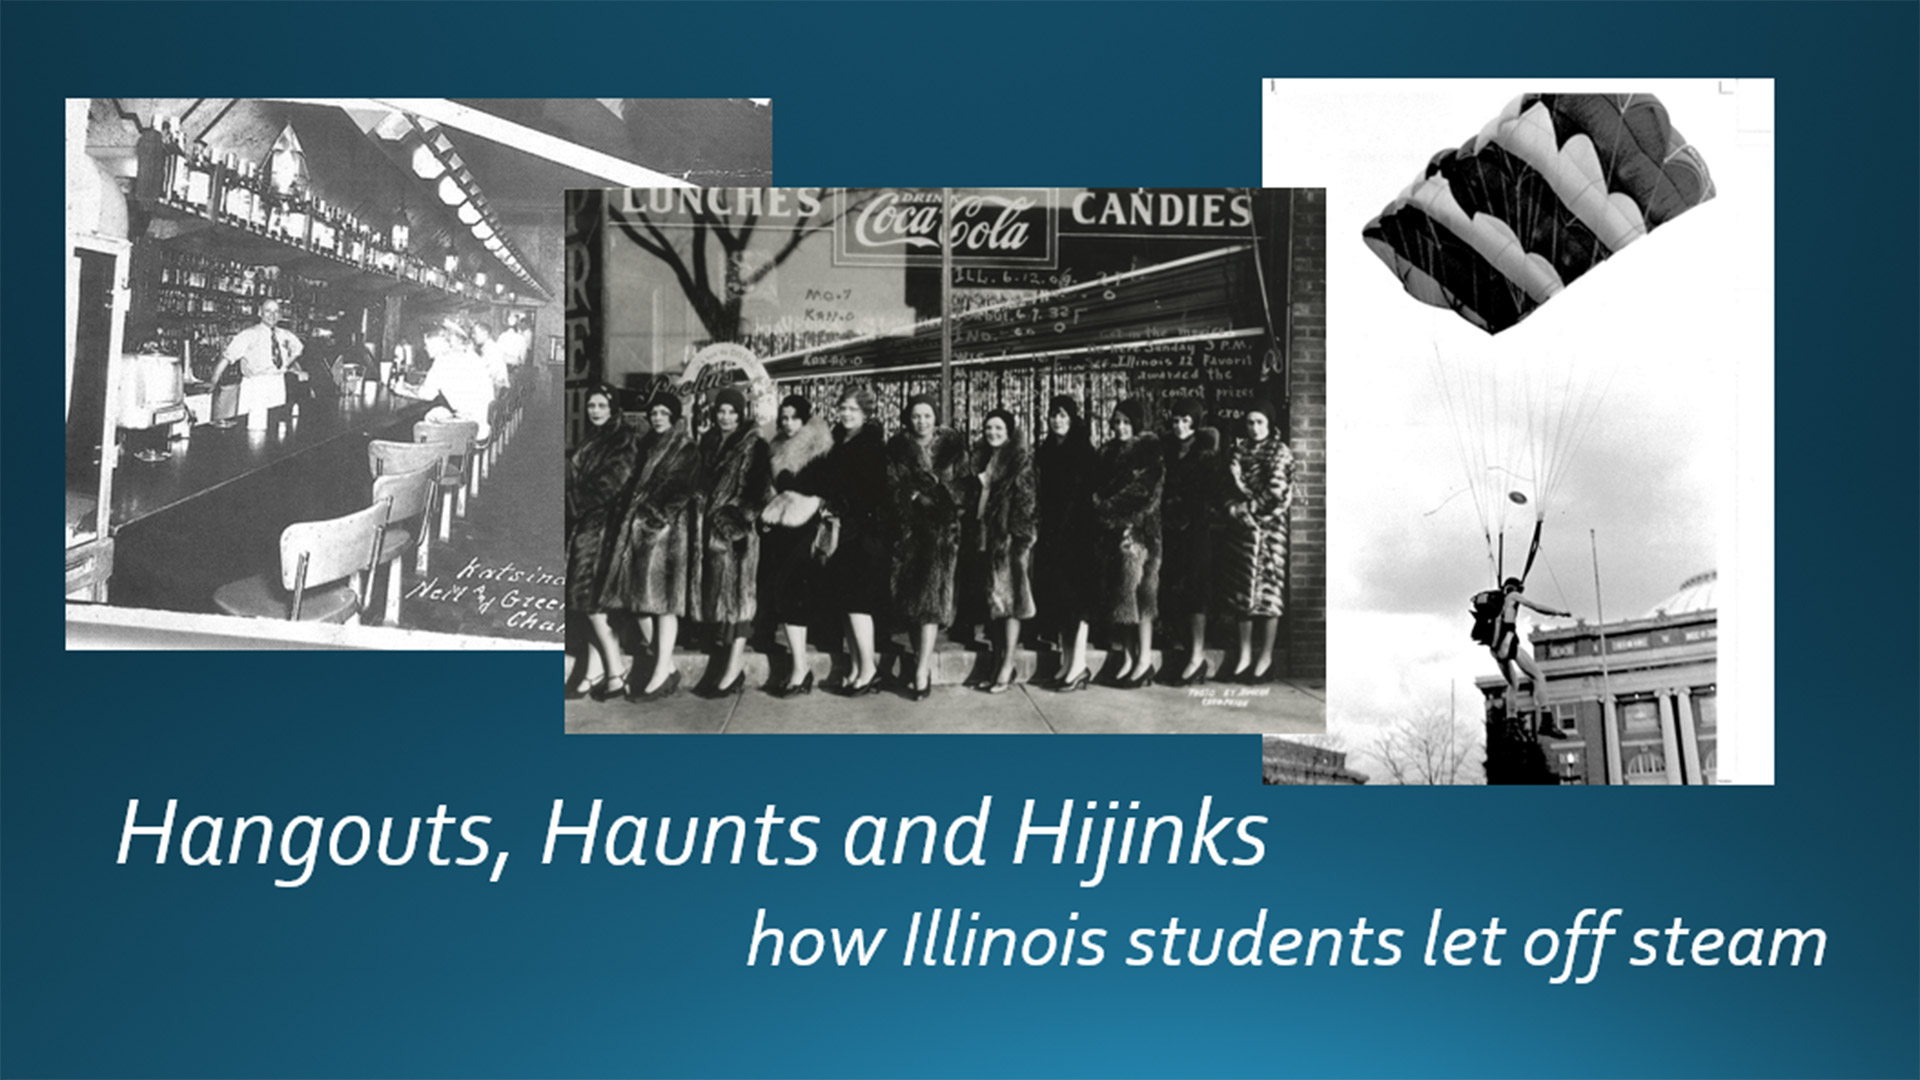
[{"x": 567, "y": 970}]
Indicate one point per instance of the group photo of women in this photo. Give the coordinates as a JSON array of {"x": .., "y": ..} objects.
[{"x": 860, "y": 553}]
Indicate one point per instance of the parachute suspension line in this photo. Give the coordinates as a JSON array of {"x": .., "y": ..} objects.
[
  {"x": 1451, "y": 400},
  {"x": 1533, "y": 548}
]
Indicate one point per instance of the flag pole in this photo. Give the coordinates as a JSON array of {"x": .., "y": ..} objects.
[{"x": 1609, "y": 738}]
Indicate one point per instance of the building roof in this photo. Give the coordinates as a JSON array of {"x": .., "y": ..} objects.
[{"x": 1696, "y": 594}]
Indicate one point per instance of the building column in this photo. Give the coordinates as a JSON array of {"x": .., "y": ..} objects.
[
  {"x": 1689, "y": 738},
  {"x": 1610, "y": 738},
  {"x": 1669, "y": 738}
]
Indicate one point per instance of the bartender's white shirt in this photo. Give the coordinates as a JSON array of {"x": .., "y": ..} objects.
[{"x": 253, "y": 347}]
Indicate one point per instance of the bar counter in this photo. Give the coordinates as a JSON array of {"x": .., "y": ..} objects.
[{"x": 214, "y": 511}]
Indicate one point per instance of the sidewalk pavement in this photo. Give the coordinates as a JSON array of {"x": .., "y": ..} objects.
[{"x": 1279, "y": 708}]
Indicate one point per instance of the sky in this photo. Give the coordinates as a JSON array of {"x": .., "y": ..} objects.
[{"x": 1670, "y": 340}]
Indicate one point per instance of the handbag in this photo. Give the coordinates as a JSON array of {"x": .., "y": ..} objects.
[{"x": 826, "y": 540}]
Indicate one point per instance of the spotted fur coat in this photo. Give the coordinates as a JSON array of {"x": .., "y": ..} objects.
[{"x": 1255, "y": 554}]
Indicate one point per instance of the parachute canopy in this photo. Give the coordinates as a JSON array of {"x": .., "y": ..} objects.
[{"x": 1546, "y": 191}]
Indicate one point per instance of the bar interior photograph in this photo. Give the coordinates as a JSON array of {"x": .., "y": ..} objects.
[{"x": 314, "y": 356}]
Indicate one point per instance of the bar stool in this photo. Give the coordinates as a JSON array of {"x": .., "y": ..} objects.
[
  {"x": 325, "y": 567},
  {"x": 385, "y": 457},
  {"x": 455, "y": 439},
  {"x": 410, "y": 496}
]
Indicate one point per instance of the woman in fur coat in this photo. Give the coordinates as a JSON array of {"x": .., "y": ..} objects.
[
  {"x": 853, "y": 530},
  {"x": 1261, "y": 493},
  {"x": 735, "y": 474},
  {"x": 653, "y": 557},
  {"x": 597, "y": 475},
  {"x": 789, "y": 524},
  {"x": 926, "y": 467},
  {"x": 1126, "y": 514},
  {"x": 1063, "y": 584},
  {"x": 1193, "y": 493},
  {"x": 997, "y": 541}
]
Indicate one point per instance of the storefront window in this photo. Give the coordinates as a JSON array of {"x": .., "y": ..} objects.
[{"x": 1100, "y": 294}]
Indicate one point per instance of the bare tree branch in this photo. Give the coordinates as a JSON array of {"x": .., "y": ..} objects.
[{"x": 1431, "y": 748}]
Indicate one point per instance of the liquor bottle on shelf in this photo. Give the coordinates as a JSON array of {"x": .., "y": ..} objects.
[
  {"x": 261, "y": 213},
  {"x": 237, "y": 205},
  {"x": 200, "y": 181},
  {"x": 295, "y": 222},
  {"x": 178, "y": 173},
  {"x": 320, "y": 230}
]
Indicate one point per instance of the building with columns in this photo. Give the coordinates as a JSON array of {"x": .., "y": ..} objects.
[{"x": 1637, "y": 698}]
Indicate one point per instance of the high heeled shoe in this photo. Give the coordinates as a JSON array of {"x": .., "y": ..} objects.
[
  {"x": 588, "y": 690},
  {"x": 1137, "y": 682},
  {"x": 1073, "y": 685},
  {"x": 852, "y": 689},
  {"x": 1200, "y": 677},
  {"x": 997, "y": 687},
  {"x": 669, "y": 687},
  {"x": 783, "y": 690},
  {"x": 715, "y": 693}
]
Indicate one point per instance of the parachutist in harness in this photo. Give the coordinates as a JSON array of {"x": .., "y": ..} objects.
[{"x": 1507, "y": 652}]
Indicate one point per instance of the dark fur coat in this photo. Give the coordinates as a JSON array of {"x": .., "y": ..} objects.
[
  {"x": 597, "y": 476},
  {"x": 1001, "y": 526},
  {"x": 1126, "y": 514},
  {"x": 1261, "y": 477},
  {"x": 926, "y": 483},
  {"x": 654, "y": 570},
  {"x": 1063, "y": 581},
  {"x": 736, "y": 475},
  {"x": 788, "y": 572},
  {"x": 1189, "y": 512},
  {"x": 854, "y": 482}
]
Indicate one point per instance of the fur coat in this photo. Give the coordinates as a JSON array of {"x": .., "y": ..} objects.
[
  {"x": 735, "y": 475},
  {"x": 1261, "y": 478},
  {"x": 854, "y": 490},
  {"x": 788, "y": 570},
  {"x": 597, "y": 476},
  {"x": 1062, "y": 568},
  {"x": 1189, "y": 511},
  {"x": 1126, "y": 515},
  {"x": 998, "y": 537},
  {"x": 654, "y": 571},
  {"x": 926, "y": 485}
]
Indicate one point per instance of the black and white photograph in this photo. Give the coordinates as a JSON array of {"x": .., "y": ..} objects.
[
  {"x": 1550, "y": 369},
  {"x": 945, "y": 460},
  {"x": 315, "y": 359}
]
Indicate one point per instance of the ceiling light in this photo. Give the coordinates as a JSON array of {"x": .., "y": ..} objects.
[
  {"x": 482, "y": 231},
  {"x": 468, "y": 213},
  {"x": 426, "y": 166},
  {"x": 450, "y": 192}
]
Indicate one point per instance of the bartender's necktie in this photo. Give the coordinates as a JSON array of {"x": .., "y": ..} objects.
[{"x": 274, "y": 336}]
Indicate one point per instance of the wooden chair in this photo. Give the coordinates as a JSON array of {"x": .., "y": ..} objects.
[
  {"x": 410, "y": 496},
  {"x": 455, "y": 439},
  {"x": 385, "y": 457},
  {"x": 325, "y": 568}
]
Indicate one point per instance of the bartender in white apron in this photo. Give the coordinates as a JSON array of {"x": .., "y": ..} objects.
[{"x": 265, "y": 353}]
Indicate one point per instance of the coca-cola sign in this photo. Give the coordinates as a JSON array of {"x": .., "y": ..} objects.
[{"x": 906, "y": 227}]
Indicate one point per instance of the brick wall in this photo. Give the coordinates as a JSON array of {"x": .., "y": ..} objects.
[{"x": 1306, "y": 629}]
